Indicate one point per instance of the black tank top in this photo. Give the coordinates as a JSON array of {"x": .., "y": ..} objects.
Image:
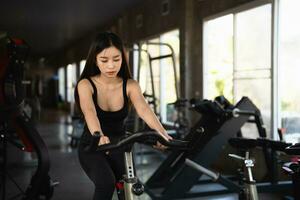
[{"x": 112, "y": 122}]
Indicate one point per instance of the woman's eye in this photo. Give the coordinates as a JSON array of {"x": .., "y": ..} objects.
[
  {"x": 117, "y": 60},
  {"x": 104, "y": 61}
]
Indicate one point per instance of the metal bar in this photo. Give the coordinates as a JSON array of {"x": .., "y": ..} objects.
[
  {"x": 215, "y": 176},
  {"x": 275, "y": 91},
  {"x": 253, "y": 78},
  {"x": 139, "y": 62},
  {"x": 278, "y": 187},
  {"x": 196, "y": 166},
  {"x": 152, "y": 86},
  {"x": 161, "y": 57},
  {"x": 130, "y": 176},
  {"x": 175, "y": 75},
  {"x": 129, "y": 165},
  {"x": 252, "y": 69},
  {"x": 127, "y": 191}
]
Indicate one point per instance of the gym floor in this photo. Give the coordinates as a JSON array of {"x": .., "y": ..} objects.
[{"x": 65, "y": 168}]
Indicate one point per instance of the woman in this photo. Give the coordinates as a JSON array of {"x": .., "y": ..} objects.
[{"x": 103, "y": 93}]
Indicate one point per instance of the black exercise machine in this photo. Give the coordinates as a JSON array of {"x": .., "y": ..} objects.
[
  {"x": 219, "y": 122},
  {"x": 174, "y": 177}
]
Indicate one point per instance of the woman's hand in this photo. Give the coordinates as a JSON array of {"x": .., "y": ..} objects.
[
  {"x": 104, "y": 140},
  {"x": 167, "y": 137},
  {"x": 160, "y": 146}
]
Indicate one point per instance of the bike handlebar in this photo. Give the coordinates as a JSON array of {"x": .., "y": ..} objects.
[
  {"x": 237, "y": 112},
  {"x": 293, "y": 149},
  {"x": 149, "y": 138}
]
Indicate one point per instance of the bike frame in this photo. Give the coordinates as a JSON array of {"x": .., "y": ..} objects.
[{"x": 129, "y": 178}]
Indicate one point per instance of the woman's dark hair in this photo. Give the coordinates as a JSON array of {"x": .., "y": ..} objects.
[{"x": 102, "y": 41}]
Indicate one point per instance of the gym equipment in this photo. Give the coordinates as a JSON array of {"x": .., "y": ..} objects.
[
  {"x": 181, "y": 124},
  {"x": 40, "y": 186},
  {"x": 207, "y": 137},
  {"x": 132, "y": 187},
  {"x": 293, "y": 168},
  {"x": 152, "y": 98},
  {"x": 13, "y": 53},
  {"x": 151, "y": 59},
  {"x": 247, "y": 189},
  {"x": 219, "y": 122}
]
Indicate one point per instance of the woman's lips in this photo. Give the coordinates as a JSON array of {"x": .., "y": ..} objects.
[{"x": 111, "y": 73}]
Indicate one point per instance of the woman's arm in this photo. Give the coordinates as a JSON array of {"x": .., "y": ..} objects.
[
  {"x": 85, "y": 92},
  {"x": 143, "y": 109}
]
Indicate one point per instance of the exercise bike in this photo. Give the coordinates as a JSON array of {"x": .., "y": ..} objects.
[
  {"x": 246, "y": 144},
  {"x": 293, "y": 168},
  {"x": 132, "y": 187},
  {"x": 250, "y": 190}
]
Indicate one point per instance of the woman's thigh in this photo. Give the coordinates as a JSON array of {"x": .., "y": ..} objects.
[
  {"x": 97, "y": 168},
  {"x": 117, "y": 163}
]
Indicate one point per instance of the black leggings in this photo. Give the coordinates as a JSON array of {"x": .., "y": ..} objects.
[{"x": 104, "y": 170}]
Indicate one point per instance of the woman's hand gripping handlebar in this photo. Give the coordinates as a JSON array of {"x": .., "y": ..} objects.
[{"x": 149, "y": 138}]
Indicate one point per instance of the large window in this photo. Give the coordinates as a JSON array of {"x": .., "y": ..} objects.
[
  {"x": 218, "y": 55},
  {"x": 239, "y": 61},
  {"x": 162, "y": 70},
  {"x": 289, "y": 68}
]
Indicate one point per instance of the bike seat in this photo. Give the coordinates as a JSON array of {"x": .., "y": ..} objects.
[
  {"x": 293, "y": 150},
  {"x": 243, "y": 143}
]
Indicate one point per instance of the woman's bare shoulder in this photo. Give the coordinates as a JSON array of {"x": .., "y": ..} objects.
[
  {"x": 133, "y": 85},
  {"x": 84, "y": 85}
]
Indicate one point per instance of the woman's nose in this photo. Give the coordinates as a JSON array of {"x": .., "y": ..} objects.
[{"x": 110, "y": 65}]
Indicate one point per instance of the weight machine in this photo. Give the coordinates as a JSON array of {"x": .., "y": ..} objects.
[{"x": 16, "y": 127}]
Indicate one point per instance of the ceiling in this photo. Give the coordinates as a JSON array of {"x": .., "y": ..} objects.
[{"x": 48, "y": 26}]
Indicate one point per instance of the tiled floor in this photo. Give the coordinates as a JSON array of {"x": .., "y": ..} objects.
[{"x": 65, "y": 168}]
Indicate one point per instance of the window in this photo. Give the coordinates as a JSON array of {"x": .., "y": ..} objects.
[
  {"x": 218, "y": 66},
  {"x": 71, "y": 81},
  {"x": 289, "y": 68},
  {"x": 252, "y": 68},
  {"x": 274, "y": 86},
  {"x": 61, "y": 83},
  {"x": 237, "y": 58},
  {"x": 81, "y": 66}
]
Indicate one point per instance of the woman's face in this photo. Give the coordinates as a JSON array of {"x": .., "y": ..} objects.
[{"x": 109, "y": 61}]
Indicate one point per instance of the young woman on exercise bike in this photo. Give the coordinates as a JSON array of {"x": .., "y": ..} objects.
[{"x": 103, "y": 93}]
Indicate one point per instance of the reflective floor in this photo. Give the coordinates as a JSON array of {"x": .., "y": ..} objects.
[{"x": 54, "y": 127}]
